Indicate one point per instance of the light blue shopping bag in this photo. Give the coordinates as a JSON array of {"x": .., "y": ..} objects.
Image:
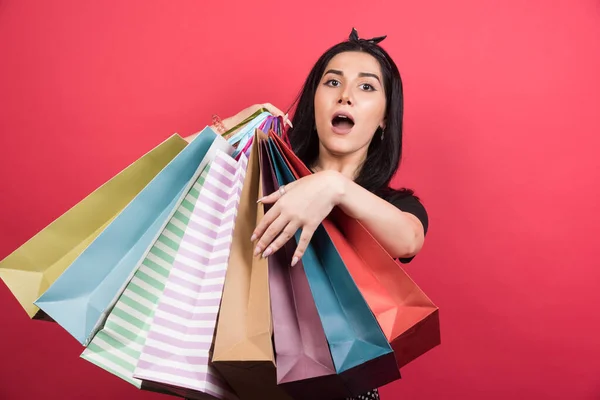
[
  {"x": 244, "y": 135},
  {"x": 81, "y": 297}
]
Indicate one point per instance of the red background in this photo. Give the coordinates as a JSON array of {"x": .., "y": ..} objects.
[{"x": 502, "y": 135}]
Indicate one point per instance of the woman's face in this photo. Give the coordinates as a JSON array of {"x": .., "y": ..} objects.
[{"x": 350, "y": 103}]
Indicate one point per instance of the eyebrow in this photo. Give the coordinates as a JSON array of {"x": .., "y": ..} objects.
[{"x": 361, "y": 74}]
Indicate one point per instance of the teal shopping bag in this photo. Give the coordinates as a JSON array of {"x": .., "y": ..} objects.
[
  {"x": 81, "y": 297},
  {"x": 360, "y": 351}
]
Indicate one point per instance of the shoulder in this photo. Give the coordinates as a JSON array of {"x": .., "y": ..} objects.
[{"x": 407, "y": 201}]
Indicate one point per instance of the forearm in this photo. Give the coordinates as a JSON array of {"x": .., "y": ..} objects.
[
  {"x": 400, "y": 233},
  {"x": 233, "y": 121}
]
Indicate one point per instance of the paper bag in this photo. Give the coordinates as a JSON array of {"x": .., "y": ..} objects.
[
  {"x": 32, "y": 268},
  {"x": 360, "y": 351},
  {"x": 117, "y": 346},
  {"x": 409, "y": 319},
  {"x": 305, "y": 368},
  {"x": 243, "y": 350},
  {"x": 81, "y": 297},
  {"x": 178, "y": 346}
]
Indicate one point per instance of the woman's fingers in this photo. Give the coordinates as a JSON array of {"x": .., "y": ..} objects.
[
  {"x": 277, "y": 112},
  {"x": 286, "y": 234},
  {"x": 272, "y": 109},
  {"x": 307, "y": 234},
  {"x": 264, "y": 223},
  {"x": 271, "y": 232},
  {"x": 276, "y": 195}
]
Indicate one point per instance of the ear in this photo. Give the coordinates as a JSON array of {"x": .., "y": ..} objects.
[{"x": 383, "y": 124}]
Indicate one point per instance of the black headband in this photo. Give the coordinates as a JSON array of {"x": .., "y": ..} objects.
[{"x": 354, "y": 38}]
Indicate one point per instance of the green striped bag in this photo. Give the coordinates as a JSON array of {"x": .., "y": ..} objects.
[{"x": 117, "y": 346}]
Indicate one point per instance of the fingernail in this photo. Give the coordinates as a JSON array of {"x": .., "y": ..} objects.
[
  {"x": 294, "y": 261},
  {"x": 259, "y": 200},
  {"x": 257, "y": 250},
  {"x": 253, "y": 238},
  {"x": 267, "y": 252}
]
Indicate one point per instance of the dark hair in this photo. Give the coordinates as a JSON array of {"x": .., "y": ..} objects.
[{"x": 383, "y": 156}]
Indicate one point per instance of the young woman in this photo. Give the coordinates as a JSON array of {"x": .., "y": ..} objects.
[{"x": 347, "y": 128}]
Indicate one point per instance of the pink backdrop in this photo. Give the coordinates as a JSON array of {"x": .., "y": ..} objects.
[{"x": 502, "y": 137}]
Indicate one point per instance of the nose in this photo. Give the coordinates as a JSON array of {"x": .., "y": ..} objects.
[
  {"x": 344, "y": 99},
  {"x": 345, "y": 95}
]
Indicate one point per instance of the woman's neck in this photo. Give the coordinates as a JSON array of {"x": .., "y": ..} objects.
[{"x": 348, "y": 165}]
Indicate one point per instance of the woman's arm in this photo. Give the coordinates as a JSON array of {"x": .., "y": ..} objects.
[
  {"x": 400, "y": 233},
  {"x": 309, "y": 200},
  {"x": 236, "y": 119}
]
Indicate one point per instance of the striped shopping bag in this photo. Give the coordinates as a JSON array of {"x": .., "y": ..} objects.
[
  {"x": 116, "y": 348},
  {"x": 177, "y": 351}
]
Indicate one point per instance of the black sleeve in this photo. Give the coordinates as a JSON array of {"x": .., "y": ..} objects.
[{"x": 411, "y": 204}]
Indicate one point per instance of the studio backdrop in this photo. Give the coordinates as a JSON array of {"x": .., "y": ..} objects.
[{"x": 502, "y": 136}]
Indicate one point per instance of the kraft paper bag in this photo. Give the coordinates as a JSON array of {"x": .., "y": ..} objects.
[
  {"x": 305, "y": 368},
  {"x": 409, "y": 319},
  {"x": 361, "y": 353},
  {"x": 117, "y": 346},
  {"x": 243, "y": 348},
  {"x": 81, "y": 297},
  {"x": 32, "y": 268},
  {"x": 179, "y": 342}
]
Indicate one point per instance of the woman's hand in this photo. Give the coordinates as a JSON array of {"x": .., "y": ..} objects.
[
  {"x": 304, "y": 204},
  {"x": 247, "y": 112},
  {"x": 232, "y": 121}
]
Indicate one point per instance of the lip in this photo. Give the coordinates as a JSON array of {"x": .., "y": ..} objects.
[
  {"x": 337, "y": 130},
  {"x": 344, "y": 114}
]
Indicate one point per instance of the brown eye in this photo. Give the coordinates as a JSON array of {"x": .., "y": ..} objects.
[
  {"x": 332, "y": 82},
  {"x": 367, "y": 87}
]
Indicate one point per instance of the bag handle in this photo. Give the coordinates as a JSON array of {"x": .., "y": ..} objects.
[{"x": 244, "y": 122}]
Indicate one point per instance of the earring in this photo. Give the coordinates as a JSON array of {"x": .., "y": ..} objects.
[{"x": 382, "y": 133}]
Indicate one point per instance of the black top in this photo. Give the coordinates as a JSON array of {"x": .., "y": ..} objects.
[{"x": 410, "y": 204}]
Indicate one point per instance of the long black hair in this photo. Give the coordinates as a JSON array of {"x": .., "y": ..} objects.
[{"x": 383, "y": 155}]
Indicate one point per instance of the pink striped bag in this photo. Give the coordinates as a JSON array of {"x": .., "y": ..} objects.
[{"x": 179, "y": 343}]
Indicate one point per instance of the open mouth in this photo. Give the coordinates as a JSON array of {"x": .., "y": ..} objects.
[{"x": 342, "y": 123}]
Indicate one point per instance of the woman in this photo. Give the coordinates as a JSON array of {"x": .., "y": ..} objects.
[{"x": 347, "y": 128}]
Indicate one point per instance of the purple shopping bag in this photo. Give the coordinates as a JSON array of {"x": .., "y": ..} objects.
[{"x": 304, "y": 365}]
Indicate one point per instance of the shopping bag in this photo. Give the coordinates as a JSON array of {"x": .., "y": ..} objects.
[
  {"x": 267, "y": 122},
  {"x": 178, "y": 345},
  {"x": 243, "y": 349},
  {"x": 117, "y": 346},
  {"x": 409, "y": 319},
  {"x": 80, "y": 298},
  {"x": 360, "y": 351},
  {"x": 246, "y": 131},
  {"x": 33, "y": 267},
  {"x": 305, "y": 368}
]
